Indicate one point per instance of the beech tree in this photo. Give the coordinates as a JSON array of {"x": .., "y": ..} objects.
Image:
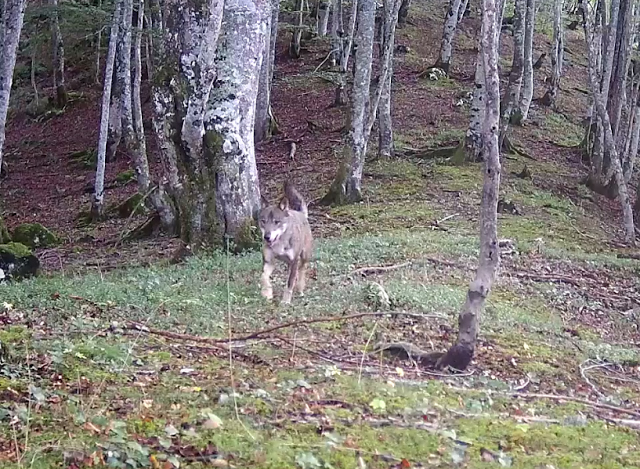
[
  {"x": 265, "y": 124},
  {"x": 448, "y": 33},
  {"x": 527, "y": 89},
  {"x": 514, "y": 88},
  {"x": 600, "y": 91},
  {"x": 324, "y": 8},
  {"x": 557, "y": 56},
  {"x": 58, "y": 57},
  {"x": 97, "y": 203},
  {"x": 11, "y": 22},
  {"x": 204, "y": 109},
  {"x": 385, "y": 124},
  {"x": 461, "y": 353}
]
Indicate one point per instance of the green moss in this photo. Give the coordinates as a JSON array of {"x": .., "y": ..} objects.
[
  {"x": 126, "y": 176},
  {"x": 85, "y": 158},
  {"x": 247, "y": 237},
  {"x": 4, "y": 233},
  {"x": 34, "y": 235},
  {"x": 18, "y": 250},
  {"x": 133, "y": 205}
]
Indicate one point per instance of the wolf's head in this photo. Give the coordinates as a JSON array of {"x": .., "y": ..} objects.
[{"x": 273, "y": 220}]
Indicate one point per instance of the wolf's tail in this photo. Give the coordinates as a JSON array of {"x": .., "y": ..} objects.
[{"x": 296, "y": 202}]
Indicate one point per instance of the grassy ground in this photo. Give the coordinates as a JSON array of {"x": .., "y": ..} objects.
[
  {"x": 93, "y": 373},
  {"x": 82, "y": 385}
]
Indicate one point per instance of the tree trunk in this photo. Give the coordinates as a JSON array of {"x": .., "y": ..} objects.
[
  {"x": 403, "y": 14},
  {"x": 346, "y": 187},
  {"x": 337, "y": 32},
  {"x": 97, "y": 205},
  {"x": 265, "y": 123},
  {"x": 449, "y": 30},
  {"x": 609, "y": 141},
  {"x": 58, "y": 58},
  {"x": 346, "y": 51},
  {"x": 512, "y": 94},
  {"x": 296, "y": 38},
  {"x": 10, "y": 29},
  {"x": 527, "y": 90},
  {"x": 323, "y": 17},
  {"x": 385, "y": 125},
  {"x": 209, "y": 105},
  {"x": 96, "y": 78},
  {"x": 460, "y": 355},
  {"x": 463, "y": 9},
  {"x": 557, "y": 57},
  {"x": 473, "y": 145},
  {"x": 620, "y": 67}
]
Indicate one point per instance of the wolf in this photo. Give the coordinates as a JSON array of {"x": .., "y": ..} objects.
[{"x": 286, "y": 236}]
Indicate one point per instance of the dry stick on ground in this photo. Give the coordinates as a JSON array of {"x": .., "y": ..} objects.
[
  {"x": 583, "y": 372},
  {"x": 133, "y": 325},
  {"x": 555, "y": 397},
  {"x": 378, "y": 269}
]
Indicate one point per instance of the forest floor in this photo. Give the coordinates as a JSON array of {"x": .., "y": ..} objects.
[{"x": 96, "y": 371}]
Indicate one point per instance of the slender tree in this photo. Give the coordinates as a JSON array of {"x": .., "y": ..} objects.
[
  {"x": 512, "y": 93},
  {"x": 337, "y": 32},
  {"x": 403, "y": 14},
  {"x": 448, "y": 33},
  {"x": 461, "y": 353},
  {"x": 265, "y": 122},
  {"x": 324, "y": 8},
  {"x": 346, "y": 187},
  {"x": 526, "y": 95},
  {"x": 97, "y": 205},
  {"x": 385, "y": 125},
  {"x": 557, "y": 56},
  {"x": 58, "y": 57}
]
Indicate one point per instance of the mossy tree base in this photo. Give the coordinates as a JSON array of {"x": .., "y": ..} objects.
[{"x": 344, "y": 189}]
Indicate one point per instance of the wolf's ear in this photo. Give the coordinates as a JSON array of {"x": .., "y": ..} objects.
[{"x": 284, "y": 204}]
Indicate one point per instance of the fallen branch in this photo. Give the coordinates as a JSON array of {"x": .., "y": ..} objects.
[
  {"x": 556, "y": 397},
  {"x": 379, "y": 269}
]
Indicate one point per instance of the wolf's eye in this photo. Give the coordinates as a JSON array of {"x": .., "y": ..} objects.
[{"x": 277, "y": 222}]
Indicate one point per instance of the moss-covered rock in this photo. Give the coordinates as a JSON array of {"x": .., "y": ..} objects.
[
  {"x": 247, "y": 237},
  {"x": 34, "y": 235},
  {"x": 17, "y": 262},
  {"x": 126, "y": 177}
]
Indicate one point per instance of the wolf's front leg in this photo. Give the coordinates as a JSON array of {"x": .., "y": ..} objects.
[
  {"x": 291, "y": 282},
  {"x": 267, "y": 289}
]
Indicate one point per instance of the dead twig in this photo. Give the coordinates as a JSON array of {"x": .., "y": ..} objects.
[
  {"x": 583, "y": 372},
  {"x": 379, "y": 269},
  {"x": 556, "y": 397}
]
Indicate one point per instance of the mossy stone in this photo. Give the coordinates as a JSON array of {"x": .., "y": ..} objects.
[
  {"x": 247, "y": 237},
  {"x": 17, "y": 262},
  {"x": 34, "y": 235}
]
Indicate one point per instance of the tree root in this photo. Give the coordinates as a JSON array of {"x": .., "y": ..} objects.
[{"x": 511, "y": 148}]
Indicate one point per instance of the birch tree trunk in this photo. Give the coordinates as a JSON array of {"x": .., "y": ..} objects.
[
  {"x": 296, "y": 38},
  {"x": 527, "y": 89},
  {"x": 337, "y": 32},
  {"x": 385, "y": 124},
  {"x": 138, "y": 142},
  {"x": 557, "y": 56},
  {"x": 473, "y": 146},
  {"x": 58, "y": 57},
  {"x": 10, "y": 29},
  {"x": 609, "y": 141},
  {"x": 403, "y": 14},
  {"x": 209, "y": 104},
  {"x": 324, "y": 8},
  {"x": 512, "y": 94},
  {"x": 265, "y": 123},
  {"x": 346, "y": 187},
  {"x": 460, "y": 355},
  {"x": 449, "y": 30},
  {"x": 463, "y": 9},
  {"x": 97, "y": 204}
]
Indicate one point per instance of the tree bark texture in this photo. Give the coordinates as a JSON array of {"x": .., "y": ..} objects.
[
  {"x": 527, "y": 89},
  {"x": 204, "y": 115},
  {"x": 557, "y": 56},
  {"x": 448, "y": 33},
  {"x": 296, "y": 37},
  {"x": 337, "y": 32},
  {"x": 58, "y": 57},
  {"x": 385, "y": 123},
  {"x": 473, "y": 146},
  {"x": 229, "y": 121},
  {"x": 403, "y": 14},
  {"x": 97, "y": 204},
  {"x": 324, "y": 7},
  {"x": 512, "y": 94},
  {"x": 10, "y": 30},
  {"x": 460, "y": 355},
  {"x": 264, "y": 116}
]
